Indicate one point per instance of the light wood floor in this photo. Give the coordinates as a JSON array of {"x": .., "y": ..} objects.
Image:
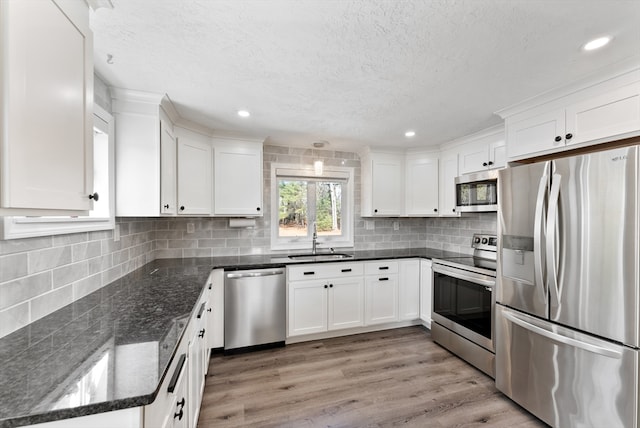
[{"x": 391, "y": 378}]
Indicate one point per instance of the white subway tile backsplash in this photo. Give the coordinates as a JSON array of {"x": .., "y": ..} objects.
[
  {"x": 23, "y": 289},
  {"x": 49, "y": 302},
  {"x": 49, "y": 258},
  {"x": 23, "y": 245},
  {"x": 13, "y": 266},
  {"x": 86, "y": 250}
]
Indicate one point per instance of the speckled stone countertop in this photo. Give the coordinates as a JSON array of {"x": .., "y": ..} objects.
[{"x": 123, "y": 337}]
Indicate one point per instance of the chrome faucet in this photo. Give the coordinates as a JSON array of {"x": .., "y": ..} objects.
[{"x": 315, "y": 238}]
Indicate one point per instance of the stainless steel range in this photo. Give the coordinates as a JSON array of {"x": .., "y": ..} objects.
[{"x": 463, "y": 304}]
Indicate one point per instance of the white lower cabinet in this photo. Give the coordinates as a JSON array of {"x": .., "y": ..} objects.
[
  {"x": 426, "y": 291},
  {"x": 331, "y": 299},
  {"x": 409, "y": 289},
  {"x": 215, "y": 309},
  {"x": 381, "y": 292}
]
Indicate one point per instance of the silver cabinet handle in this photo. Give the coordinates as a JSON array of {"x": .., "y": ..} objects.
[
  {"x": 471, "y": 277},
  {"x": 538, "y": 234}
]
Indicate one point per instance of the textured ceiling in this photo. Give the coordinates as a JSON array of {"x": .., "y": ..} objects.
[{"x": 356, "y": 72}]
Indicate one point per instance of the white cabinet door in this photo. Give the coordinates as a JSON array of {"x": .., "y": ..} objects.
[
  {"x": 426, "y": 291},
  {"x": 238, "y": 178},
  {"x": 46, "y": 106},
  {"x": 215, "y": 319},
  {"x": 447, "y": 193},
  {"x": 386, "y": 185},
  {"x": 195, "y": 360},
  {"x": 473, "y": 158},
  {"x": 409, "y": 290},
  {"x": 614, "y": 113},
  {"x": 421, "y": 185},
  {"x": 168, "y": 170},
  {"x": 536, "y": 134},
  {"x": 307, "y": 307},
  {"x": 194, "y": 177},
  {"x": 498, "y": 154},
  {"x": 381, "y": 295},
  {"x": 346, "y": 303}
]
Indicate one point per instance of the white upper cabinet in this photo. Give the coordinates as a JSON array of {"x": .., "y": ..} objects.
[
  {"x": 484, "y": 151},
  {"x": 237, "y": 177},
  {"x": 447, "y": 192},
  {"x": 46, "y": 119},
  {"x": 144, "y": 148},
  {"x": 195, "y": 178},
  {"x": 421, "y": 184},
  {"x": 168, "y": 170},
  {"x": 382, "y": 184},
  {"x": 595, "y": 114}
]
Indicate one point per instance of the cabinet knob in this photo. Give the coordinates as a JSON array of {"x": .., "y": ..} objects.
[
  {"x": 326, "y": 286},
  {"x": 258, "y": 209},
  {"x": 95, "y": 196},
  {"x": 435, "y": 210},
  {"x": 558, "y": 138},
  {"x": 182, "y": 208},
  {"x": 568, "y": 136},
  {"x": 330, "y": 285},
  {"x": 453, "y": 210},
  {"x": 490, "y": 163},
  {"x": 375, "y": 211},
  {"x": 201, "y": 334},
  {"x": 166, "y": 206},
  {"x": 181, "y": 403},
  {"x": 178, "y": 415},
  {"x": 209, "y": 310},
  {"x": 484, "y": 164}
]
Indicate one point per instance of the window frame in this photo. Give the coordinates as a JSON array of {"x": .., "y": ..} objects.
[
  {"x": 16, "y": 227},
  {"x": 324, "y": 241}
]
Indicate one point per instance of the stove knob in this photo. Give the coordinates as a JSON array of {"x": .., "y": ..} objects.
[
  {"x": 476, "y": 240},
  {"x": 485, "y": 240}
]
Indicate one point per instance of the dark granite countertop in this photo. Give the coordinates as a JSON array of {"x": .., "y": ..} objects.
[
  {"x": 115, "y": 344},
  {"x": 119, "y": 341}
]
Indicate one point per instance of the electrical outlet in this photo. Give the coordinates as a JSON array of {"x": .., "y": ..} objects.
[
  {"x": 396, "y": 225},
  {"x": 191, "y": 228},
  {"x": 116, "y": 233}
]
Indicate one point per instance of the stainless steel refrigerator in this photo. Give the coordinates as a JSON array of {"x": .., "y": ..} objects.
[{"x": 567, "y": 319}]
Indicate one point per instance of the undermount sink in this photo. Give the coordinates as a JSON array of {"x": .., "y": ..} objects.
[{"x": 320, "y": 256}]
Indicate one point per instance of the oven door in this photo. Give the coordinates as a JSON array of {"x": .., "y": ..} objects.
[{"x": 462, "y": 302}]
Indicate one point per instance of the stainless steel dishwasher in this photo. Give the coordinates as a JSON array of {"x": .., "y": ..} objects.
[{"x": 254, "y": 309}]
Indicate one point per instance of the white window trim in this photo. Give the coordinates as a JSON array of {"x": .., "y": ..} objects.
[
  {"x": 29, "y": 227},
  {"x": 304, "y": 242}
]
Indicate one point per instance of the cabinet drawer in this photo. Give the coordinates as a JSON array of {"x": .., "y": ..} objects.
[
  {"x": 381, "y": 267},
  {"x": 324, "y": 270}
]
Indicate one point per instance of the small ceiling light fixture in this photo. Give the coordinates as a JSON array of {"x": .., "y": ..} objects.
[
  {"x": 244, "y": 113},
  {"x": 320, "y": 144},
  {"x": 596, "y": 43},
  {"x": 410, "y": 134},
  {"x": 318, "y": 167}
]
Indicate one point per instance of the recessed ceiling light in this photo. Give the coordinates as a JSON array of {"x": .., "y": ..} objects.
[
  {"x": 410, "y": 134},
  {"x": 243, "y": 113},
  {"x": 596, "y": 43}
]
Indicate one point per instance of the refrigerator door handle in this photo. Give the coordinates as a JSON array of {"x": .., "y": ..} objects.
[
  {"x": 600, "y": 350},
  {"x": 538, "y": 234},
  {"x": 552, "y": 218}
]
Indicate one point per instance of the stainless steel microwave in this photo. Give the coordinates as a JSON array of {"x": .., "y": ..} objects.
[{"x": 477, "y": 192}]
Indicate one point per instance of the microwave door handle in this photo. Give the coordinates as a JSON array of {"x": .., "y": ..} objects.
[
  {"x": 552, "y": 219},
  {"x": 538, "y": 235}
]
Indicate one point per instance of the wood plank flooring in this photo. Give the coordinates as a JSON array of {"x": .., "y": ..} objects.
[{"x": 391, "y": 378}]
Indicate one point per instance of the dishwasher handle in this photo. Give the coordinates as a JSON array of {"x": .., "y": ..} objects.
[{"x": 255, "y": 274}]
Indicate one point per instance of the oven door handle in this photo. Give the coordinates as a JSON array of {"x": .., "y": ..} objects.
[{"x": 487, "y": 281}]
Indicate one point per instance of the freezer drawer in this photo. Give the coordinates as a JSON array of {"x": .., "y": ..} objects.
[{"x": 565, "y": 378}]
